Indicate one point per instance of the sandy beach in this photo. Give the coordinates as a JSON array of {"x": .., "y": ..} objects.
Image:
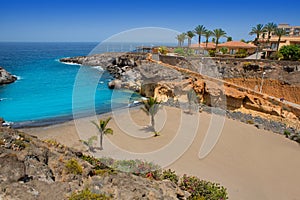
[{"x": 250, "y": 163}]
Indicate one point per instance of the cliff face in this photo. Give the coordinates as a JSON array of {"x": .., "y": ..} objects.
[
  {"x": 235, "y": 86},
  {"x": 32, "y": 169},
  {"x": 5, "y": 77}
]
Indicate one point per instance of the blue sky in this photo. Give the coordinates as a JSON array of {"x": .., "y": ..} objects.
[{"x": 91, "y": 20}]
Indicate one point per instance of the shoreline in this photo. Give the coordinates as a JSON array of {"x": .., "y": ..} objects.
[{"x": 61, "y": 119}]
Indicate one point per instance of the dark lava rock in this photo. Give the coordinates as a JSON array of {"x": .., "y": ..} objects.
[{"x": 6, "y": 77}]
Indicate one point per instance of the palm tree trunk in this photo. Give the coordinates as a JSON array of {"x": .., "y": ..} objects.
[
  {"x": 278, "y": 42},
  {"x": 269, "y": 33},
  {"x": 153, "y": 123},
  {"x": 101, "y": 140},
  {"x": 217, "y": 42},
  {"x": 189, "y": 42}
]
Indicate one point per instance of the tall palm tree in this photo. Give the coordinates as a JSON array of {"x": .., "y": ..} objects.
[
  {"x": 190, "y": 35},
  {"x": 279, "y": 32},
  {"x": 218, "y": 33},
  {"x": 257, "y": 30},
  {"x": 207, "y": 34},
  {"x": 199, "y": 30},
  {"x": 181, "y": 37},
  {"x": 270, "y": 27},
  {"x": 151, "y": 107},
  {"x": 103, "y": 130}
]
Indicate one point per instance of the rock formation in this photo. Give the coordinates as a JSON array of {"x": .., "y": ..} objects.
[
  {"x": 6, "y": 77},
  {"x": 218, "y": 86},
  {"x": 32, "y": 169}
]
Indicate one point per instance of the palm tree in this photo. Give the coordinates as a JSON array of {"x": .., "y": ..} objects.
[
  {"x": 89, "y": 143},
  {"x": 270, "y": 27},
  {"x": 207, "y": 34},
  {"x": 190, "y": 35},
  {"x": 279, "y": 32},
  {"x": 103, "y": 130},
  {"x": 257, "y": 30},
  {"x": 151, "y": 107},
  {"x": 181, "y": 37},
  {"x": 218, "y": 33},
  {"x": 199, "y": 30}
]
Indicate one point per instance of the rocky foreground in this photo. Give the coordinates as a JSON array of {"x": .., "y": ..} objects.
[
  {"x": 6, "y": 77},
  {"x": 34, "y": 169}
]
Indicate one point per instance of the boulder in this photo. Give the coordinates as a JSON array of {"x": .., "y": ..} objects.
[
  {"x": 6, "y": 77},
  {"x": 115, "y": 84}
]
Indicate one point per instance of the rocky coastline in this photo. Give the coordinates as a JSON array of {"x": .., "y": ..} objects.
[
  {"x": 6, "y": 77},
  {"x": 171, "y": 83}
]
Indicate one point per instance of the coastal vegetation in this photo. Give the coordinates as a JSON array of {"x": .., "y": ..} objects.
[
  {"x": 257, "y": 31},
  {"x": 218, "y": 33},
  {"x": 73, "y": 167},
  {"x": 290, "y": 52},
  {"x": 198, "y": 189},
  {"x": 181, "y": 37},
  {"x": 279, "y": 32},
  {"x": 87, "y": 194},
  {"x": 103, "y": 130},
  {"x": 200, "y": 30},
  {"x": 151, "y": 107},
  {"x": 90, "y": 142}
]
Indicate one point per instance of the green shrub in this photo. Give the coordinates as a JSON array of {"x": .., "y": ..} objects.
[
  {"x": 276, "y": 56},
  {"x": 179, "y": 51},
  {"x": 170, "y": 175},
  {"x": 73, "y": 167},
  {"x": 86, "y": 194},
  {"x": 137, "y": 167},
  {"x": 163, "y": 50},
  {"x": 250, "y": 121},
  {"x": 241, "y": 53},
  {"x": 224, "y": 50},
  {"x": 202, "y": 189},
  {"x": 290, "y": 52},
  {"x": 287, "y": 133},
  {"x": 212, "y": 53}
]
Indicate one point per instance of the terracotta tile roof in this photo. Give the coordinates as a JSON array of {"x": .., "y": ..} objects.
[
  {"x": 210, "y": 45},
  {"x": 237, "y": 44}
]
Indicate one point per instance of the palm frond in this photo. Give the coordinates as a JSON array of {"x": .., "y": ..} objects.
[
  {"x": 108, "y": 131},
  {"x": 97, "y": 125}
]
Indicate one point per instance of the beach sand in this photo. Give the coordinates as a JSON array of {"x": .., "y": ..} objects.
[{"x": 250, "y": 163}]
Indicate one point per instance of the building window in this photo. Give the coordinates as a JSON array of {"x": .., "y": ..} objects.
[
  {"x": 287, "y": 30},
  {"x": 274, "y": 46}
]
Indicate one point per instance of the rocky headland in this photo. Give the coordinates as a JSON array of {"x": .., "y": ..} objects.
[
  {"x": 6, "y": 77},
  {"x": 218, "y": 85}
]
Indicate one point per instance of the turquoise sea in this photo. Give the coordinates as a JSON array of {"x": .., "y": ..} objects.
[{"x": 43, "y": 93}]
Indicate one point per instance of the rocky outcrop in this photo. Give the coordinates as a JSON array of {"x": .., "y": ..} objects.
[
  {"x": 32, "y": 169},
  {"x": 163, "y": 81},
  {"x": 6, "y": 77}
]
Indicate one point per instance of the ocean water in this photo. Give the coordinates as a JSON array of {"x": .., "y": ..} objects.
[{"x": 44, "y": 92}]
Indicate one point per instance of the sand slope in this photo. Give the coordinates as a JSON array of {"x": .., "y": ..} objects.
[{"x": 251, "y": 163}]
